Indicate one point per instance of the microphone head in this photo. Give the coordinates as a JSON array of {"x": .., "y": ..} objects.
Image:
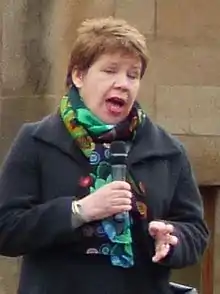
[{"x": 118, "y": 153}]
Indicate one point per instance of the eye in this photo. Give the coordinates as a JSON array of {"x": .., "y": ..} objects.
[
  {"x": 133, "y": 75},
  {"x": 109, "y": 70}
]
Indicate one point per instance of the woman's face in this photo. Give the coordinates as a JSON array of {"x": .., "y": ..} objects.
[{"x": 110, "y": 86}]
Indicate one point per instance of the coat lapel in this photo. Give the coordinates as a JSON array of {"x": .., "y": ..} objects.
[{"x": 51, "y": 130}]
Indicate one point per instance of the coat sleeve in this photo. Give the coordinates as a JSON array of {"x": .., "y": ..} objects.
[
  {"x": 186, "y": 214},
  {"x": 26, "y": 224}
]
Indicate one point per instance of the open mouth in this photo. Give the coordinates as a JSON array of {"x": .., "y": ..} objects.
[
  {"x": 116, "y": 101},
  {"x": 115, "y": 105}
]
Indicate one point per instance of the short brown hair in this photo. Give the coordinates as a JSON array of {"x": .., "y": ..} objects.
[{"x": 105, "y": 35}]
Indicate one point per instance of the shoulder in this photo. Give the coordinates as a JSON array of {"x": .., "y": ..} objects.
[
  {"x": 23, "y": 145},
  {"x": 159, "y": 143},
  {"x": 164, "y": 136},
  {"x": 155, "y": 140},
  {"x": 28, "y": 129}
]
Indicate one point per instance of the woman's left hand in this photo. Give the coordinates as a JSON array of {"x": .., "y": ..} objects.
[{"x": 162, "y": 233}]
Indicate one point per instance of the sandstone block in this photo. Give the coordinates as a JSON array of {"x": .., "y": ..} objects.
[
  {"x": 9, "y": 268},
  {"x": 26, "y": 68},
  {"x": 189, "y": 109},
  {"x": 179, "y": 63},
  {"x": 204, "y": 154},
  {"x": 190, "y": 19},
  {"x": 140, "y": 13},
  {"x": 16, "y": 111}
]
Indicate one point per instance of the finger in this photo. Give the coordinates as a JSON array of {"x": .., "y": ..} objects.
[
  {"x": 163, "y": 247},
  {"x": 169, "y": 228},
  {"x": 161, "y": 228},
  {"x": 120, "y": 201},
  {"x": 172, "y": 240},
  {"x": 121, "y": 208},
  {"x": 122, "y": 194},
  {"x": 161, "y": 252},
  {"x": 156, "y": 227},
  {"x": 166, "y": 239},
  {"x": 120, "y": 185}
]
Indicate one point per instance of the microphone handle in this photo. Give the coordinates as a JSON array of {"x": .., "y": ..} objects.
[{"x": 119, "y": 174}]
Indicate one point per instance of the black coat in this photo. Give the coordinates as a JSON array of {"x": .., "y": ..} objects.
[{"x": 40, "y": 178}]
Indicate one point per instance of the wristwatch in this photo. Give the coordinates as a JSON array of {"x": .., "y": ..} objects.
[{"x": 77, "y": 215}]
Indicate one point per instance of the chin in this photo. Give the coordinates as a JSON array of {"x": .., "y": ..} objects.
[{"x": 113, "y": 120}]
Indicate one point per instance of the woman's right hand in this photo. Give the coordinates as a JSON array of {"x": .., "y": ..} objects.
[{"x": 109, "y": 200}]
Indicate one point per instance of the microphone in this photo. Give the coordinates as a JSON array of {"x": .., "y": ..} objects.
[{"x": 118, "y": 159}]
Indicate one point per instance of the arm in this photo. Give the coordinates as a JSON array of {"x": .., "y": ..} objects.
[
  {"x": 186, "y": 215},
  {"x": 26, "y": 224}
]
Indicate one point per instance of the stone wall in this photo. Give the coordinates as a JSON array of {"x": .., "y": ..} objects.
[{"x": 180, "y": 90}]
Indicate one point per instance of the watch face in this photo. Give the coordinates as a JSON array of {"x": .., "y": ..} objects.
[
  {"x": 74, "y": 208},
  {"x": 77, "y": 210},
  {"x": 78, "y": 207}
]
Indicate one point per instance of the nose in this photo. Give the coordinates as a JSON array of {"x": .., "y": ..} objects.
[{"x": 122, "y": 81}]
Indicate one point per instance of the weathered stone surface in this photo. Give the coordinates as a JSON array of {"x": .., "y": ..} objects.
[
  {"x": 204, "y": 154},
  {"x": 191, "y": 19},
  {"x": 192, "y": 110},
  {"x": 26, "y": 67},
  {"x": 139, "y": 13},
  {"x": 16, "y": 111},
  {"x": 9, "y": 270},
  {"x": 182, "y": 63}
]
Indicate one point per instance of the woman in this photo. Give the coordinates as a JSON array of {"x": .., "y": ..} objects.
[{"x": 60, "y": 208}]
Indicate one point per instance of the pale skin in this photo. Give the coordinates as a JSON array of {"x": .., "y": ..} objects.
[{"x": 116, "y": 75}]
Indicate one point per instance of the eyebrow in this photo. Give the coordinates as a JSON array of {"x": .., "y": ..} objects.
[
  {"x": 138, "y": 67},
  {"x": 110, "y": 64}
]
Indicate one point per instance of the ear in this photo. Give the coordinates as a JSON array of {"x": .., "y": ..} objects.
[{"x": 77, "y": 78}]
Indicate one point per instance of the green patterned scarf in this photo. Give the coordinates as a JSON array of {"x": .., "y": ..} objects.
[
  {"x": 87, "y": 130},
  {"x": 80, "y": 121}
]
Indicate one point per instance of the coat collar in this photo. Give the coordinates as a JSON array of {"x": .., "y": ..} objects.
[
  {"x": 151, "y": 140},
  {"x": 52, "y": 131}
]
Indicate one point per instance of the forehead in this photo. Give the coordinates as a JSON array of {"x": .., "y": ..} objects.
[{"x": 118, "y": 58}]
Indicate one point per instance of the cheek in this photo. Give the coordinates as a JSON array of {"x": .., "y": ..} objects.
[
  {"x": 135, "y": 89},
  {"x": 101, "y": 89}
]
